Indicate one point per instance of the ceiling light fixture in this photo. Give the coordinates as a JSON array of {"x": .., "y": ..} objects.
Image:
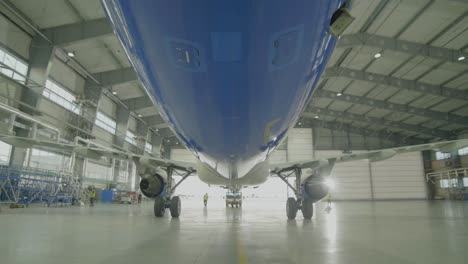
[
  {"x": 377, "y": 55},
  {"x": 339, "y": 94},
  {"x": 71, "y": 54},
  {"x": 300, "y": 123},
  {"x": 461, "y": 58},
  {"x": 316, "y": 117},
  {"x": 139, "y": 115},
  {"x": 114, "y": 92},
  {"x": 157, "y": 130}
]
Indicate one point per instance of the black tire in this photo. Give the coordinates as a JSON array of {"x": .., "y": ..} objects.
[
  {"x": 175, "y": 206},
  {"x": 307, "y": 209},
  {"x": 159, "y": 207},
  {"x": 291, "y": 208}
]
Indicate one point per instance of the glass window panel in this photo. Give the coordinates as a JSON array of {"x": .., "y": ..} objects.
[
  {"x": 444, "y": 184},
  {"x": 61, "y": 96},
  {"x": 443, "y": 155},
  {"x": 463, "y": 151},
  {"x": 148, "y": 147},
  {"x": 7, "y": 72},
  {"x": 21, "y": 67},
  {"x": 9, "y": 61}
]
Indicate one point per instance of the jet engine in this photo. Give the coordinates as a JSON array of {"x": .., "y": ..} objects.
[
  {"x": 315, "y": 188},
  {"x": 152, "y": 185}
]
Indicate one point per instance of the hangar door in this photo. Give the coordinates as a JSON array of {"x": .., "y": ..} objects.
[
  {"x": 400, "y": 177},
  {"x": 352, "y": 179}
]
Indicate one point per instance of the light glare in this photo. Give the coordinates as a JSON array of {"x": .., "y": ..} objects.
[{"x": 330, "y": 183}]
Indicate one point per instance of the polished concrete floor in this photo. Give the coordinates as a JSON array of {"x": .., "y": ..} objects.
[{"x": 353, "y": 232}]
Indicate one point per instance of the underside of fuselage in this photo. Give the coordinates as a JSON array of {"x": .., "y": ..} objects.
[
  {"x": 256, "y": 176},
  {"x": 229, "y": 77}
]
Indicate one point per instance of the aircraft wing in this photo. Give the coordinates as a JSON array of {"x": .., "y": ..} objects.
[
  {"x": 372, "y": 156},
  {"x": 94, "y": 151}
]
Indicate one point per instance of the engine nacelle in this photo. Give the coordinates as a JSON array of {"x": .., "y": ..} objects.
[
  {"x": 152, "y": 185},
  {"x": 315, "y": 188}
]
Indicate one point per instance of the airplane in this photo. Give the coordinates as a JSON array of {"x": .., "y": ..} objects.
[{"x": 230, "y": 78}]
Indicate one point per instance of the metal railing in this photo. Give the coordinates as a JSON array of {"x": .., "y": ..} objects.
[{"x": 26, "y": 185}]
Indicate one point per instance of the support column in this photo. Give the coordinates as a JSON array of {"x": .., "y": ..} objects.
[
  {"x": 40, "y": 62},
  {"x": 123, "y": 115},
  {"x": 142, "y": 134},
  {"x": 156, "y": 141},
  {"x": 41, "y": 54}
]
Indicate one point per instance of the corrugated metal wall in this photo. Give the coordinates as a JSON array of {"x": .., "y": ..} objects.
[
  {"x": 299, "y": 145},
  {"x": 352, "y": 179},
  {"x": 401, "y": 177}
]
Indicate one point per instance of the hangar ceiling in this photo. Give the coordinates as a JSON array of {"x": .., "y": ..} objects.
[{"x": 398, "y": 70}]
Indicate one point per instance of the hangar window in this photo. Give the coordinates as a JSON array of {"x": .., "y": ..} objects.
[
  {"x": 443, "y": 155},
  {"x": 9, "y": 60},
  {"x": 5, "y": 152},
  {"x": 463, "y": 151},
  {"x": 98, "y": 171},
  {"x": 105, "y": 123},
  {"x": 453, "y": 183},
  {"x": 123, "y": 171},
  {"x": 130, "y": 138},
  {"x": 148, "y": 147},
  {"x": 61, "y": 96},
  {"x": 465, "y": 182},
  {"x": 48, "y": 160}
]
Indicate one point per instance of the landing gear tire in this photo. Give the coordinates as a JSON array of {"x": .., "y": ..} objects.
[
  {"x": 159, "y": 207},
  {"x": 307, "y": 209},
  {"x": 175, "y": 206},
  {"x": 291, "y": 208}
]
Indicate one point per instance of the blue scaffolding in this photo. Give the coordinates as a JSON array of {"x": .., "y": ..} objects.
[{"x": 25, "y": 185}]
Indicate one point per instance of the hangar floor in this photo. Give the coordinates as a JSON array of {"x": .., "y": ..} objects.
[{"x": 353, "y": 232}]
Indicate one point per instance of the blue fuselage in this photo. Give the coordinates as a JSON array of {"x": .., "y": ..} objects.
[{"x": 229, "y": 77}]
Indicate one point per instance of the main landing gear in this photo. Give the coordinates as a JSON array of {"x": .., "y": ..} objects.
[
  {"x": 168, "y": 201},
  {"x": 301, "y": 202}
]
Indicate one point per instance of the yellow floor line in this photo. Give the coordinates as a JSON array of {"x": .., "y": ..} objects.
[{"x": 241, "y": 253}]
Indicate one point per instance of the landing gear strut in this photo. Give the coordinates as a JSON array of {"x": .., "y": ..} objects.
[
  {"x": 167, "y": 200},
  {"x": 300, "y": 202}
]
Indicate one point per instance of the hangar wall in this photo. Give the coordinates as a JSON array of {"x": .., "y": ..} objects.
[{"x": 19, "y": 45}]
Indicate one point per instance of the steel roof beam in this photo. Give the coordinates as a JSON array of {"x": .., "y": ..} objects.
[
  {"x": 137, "y": 103},
  {"x": 427, "y": 113},
  {"x": 76, "y": 32},
  {"x": 409, "y": 85},
  {"x": 378, "y": 121},
  {"x": 395, "y": 137},
  {"x": 115, "y": 77},
  {"x": 153, "y": 121},
  {"x": 412, "y": 48}
]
